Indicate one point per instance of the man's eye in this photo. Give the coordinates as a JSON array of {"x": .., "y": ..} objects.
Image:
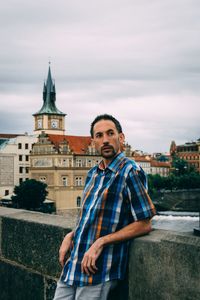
[
  {"x": 110, "y": 133},
  {"x": 98, "y": 135}
]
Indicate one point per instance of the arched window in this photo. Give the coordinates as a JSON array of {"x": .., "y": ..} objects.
[
  {"x": 78, "y": 181},
  {"x": 43, "y": 179},
  {"x": 78, "y": 201},
  {"x": 89, "y": 163},
  {"x": 64, "y": 181},
  {"x": 79, "y": 163}
]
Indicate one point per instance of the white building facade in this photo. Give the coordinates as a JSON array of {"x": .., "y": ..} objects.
[{"x": 14, "y": 161}]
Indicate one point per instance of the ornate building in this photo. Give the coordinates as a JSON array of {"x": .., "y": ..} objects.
[
  {"x": 190, "y": 152},
  {"x": 62, "y": 161},
  {"x": 49, "y": 118}
]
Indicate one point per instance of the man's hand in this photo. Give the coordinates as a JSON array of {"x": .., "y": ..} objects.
[
  {"x": 88, "y": 264},
  {"x": 66, "y": 245}
]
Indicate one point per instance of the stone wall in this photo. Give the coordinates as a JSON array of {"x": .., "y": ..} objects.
[
  {"x": 29, "y": 253},
  {"x": 163, "y": 265}
]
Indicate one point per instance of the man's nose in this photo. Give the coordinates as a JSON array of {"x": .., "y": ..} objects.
[{"x": 105, "y": 139}]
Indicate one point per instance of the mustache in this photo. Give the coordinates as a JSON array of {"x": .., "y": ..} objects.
[{"x": 107, "y": 147}]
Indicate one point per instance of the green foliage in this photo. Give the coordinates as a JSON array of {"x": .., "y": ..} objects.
[
  {"x": 184, "y": 181},
  {"x": 181, "y": 166},
  {"x": 163, "y": 158},
  {"x": 30, "y": 194}
]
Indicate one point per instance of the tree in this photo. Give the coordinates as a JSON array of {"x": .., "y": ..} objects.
[
  {"x": 180, "y": 166},
  {"x": 163, "y": 158},
  {"x": 184, "y": 181},
  {"x": 30, "y": 194}
]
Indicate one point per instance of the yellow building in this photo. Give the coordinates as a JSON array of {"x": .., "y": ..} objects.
[{"x": 61, "y": 161}]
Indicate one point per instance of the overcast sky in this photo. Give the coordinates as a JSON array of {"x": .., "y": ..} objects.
[{"x": 136, "y": 59}]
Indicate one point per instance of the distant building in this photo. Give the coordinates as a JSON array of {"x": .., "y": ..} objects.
[
  {"x": 189, "y": 151},
  {"x": 144, "y": 161},
  {"x": 160, "y": 167},
  {"x": 63, "y": 163},
  {"x": 49, "y": 118},
  {"x": 153, "y": 166},
  {"x": 14, "y": 160}
]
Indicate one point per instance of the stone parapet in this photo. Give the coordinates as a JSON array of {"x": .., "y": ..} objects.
[
  {"x": 163, "y": 265},
  {"x": 29, "y": 253}
]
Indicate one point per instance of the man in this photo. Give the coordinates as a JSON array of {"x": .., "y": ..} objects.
[{"x": 116, "y": 208}]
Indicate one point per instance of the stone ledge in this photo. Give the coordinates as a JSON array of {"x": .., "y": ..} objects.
[
  {"x": 165, "y": 265},
  {"x": 33, "y": 239},
  {"x": 31, "y": 216}
]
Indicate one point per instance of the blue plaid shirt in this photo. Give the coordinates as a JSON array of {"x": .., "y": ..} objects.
[{"x": 113, "y": 198}]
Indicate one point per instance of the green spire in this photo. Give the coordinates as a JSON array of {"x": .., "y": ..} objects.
[{"x": 49, "y": 98}]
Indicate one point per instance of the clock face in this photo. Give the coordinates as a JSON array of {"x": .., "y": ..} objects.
[
  {"x": 54, "y": 124},
  {"x": 39, "y": 123}
]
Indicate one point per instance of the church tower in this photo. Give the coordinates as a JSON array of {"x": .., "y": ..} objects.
[{"x": 49, "y": 118}]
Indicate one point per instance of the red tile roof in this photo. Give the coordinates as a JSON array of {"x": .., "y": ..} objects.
[
  {"x": 77, "y": 144},
  {"x": 161, "y": 164},
  {"x": 141, "y": 158}
]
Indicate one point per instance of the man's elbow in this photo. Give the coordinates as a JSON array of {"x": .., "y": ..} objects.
[{"x": 147, "y": 227}]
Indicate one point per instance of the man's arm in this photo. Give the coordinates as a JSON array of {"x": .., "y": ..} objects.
[
  {"x": 130, "y": 231},
  {"x": 66, "y": 245}
]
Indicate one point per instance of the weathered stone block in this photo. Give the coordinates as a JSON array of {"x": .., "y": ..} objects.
[
  {"x": 17, "y": 283},
  {"x": 165, "y": 266},
  {"x": 50, "y": 287},
  {"x": 28, "y": 241}
]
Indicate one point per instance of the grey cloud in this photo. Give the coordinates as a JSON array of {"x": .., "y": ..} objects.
[{"x": 138, "y": 60}]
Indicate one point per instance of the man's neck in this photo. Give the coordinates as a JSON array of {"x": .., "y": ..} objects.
[{"x": 106, "y": 162}]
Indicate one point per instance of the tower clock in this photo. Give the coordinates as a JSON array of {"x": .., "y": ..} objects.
[
  {"x": 54, "y": 123},
  {"x": 49, "y": 118}
]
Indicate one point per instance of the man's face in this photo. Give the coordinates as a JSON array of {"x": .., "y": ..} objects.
[{"x": 108, "y": 142}]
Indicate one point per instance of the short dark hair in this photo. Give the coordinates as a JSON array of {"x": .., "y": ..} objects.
[{"x": 105, "y": 117}]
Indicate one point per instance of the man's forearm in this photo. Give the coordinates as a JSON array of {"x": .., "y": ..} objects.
[
  {"x": 128, "y": 232},
  {"x": 88, "y": 264},
  {"x": 67, "y": 243}
]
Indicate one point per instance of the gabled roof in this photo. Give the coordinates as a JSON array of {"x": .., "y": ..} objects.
[{"x": 77, "y": 144}]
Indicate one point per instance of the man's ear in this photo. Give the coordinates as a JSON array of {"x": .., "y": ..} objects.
[
  {"x": 122, "y": 141},
  {"x": 121, "y": 137}
]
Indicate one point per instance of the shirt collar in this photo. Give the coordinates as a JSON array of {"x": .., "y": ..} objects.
[{"x": 114, "y": 164}]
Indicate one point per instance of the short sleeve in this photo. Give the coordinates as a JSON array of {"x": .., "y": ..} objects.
[{"x": 141, "y": 204}]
